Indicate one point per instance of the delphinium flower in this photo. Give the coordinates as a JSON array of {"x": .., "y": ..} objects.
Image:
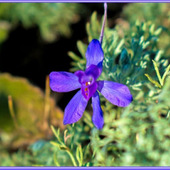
[{"x": 118, "y": 94}]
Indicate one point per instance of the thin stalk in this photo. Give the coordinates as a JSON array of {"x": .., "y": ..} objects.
[
  {"x": 11, "y": 110},
  {"x": 104, "y": 22},
  {"x": 47, "y": 104}
]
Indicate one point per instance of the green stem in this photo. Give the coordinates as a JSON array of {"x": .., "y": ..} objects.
[{"x": 72, "y": 158}]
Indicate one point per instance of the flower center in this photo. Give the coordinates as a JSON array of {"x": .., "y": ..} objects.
[
  {"x": 86, "y": 90},
  {"x": 87, "y": 83}
]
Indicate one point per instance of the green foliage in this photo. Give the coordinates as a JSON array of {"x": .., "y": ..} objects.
[
  {"x": 4, "y": 29},
  {"x": 53, "y": 19},
  {"x": 137, "y": 135},
  {"x": 157, "y": 13},
  {"x": 161, "y": 79},
  {"x": 37, "y": 155}
]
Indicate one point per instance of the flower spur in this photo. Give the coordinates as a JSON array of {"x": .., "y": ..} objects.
[{"x": 118, "y": 94}]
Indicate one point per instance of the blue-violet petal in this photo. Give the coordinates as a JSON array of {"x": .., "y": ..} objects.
[
  {"x": 75, "y": 108},
  {"x": 94, "y": 54},
  {"x": 118, "y": 94},
  {"x": 63, "y": 81},
  {"x": 97, "y": 117}
]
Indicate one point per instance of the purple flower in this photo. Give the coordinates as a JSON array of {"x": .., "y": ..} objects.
[{"x": 118, "y": 94}]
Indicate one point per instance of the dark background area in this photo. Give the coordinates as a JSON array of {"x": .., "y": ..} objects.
[{"x": 25, "y": 54}]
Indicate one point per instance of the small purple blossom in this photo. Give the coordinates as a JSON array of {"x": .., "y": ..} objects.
[{"x": 118, "y": 94}]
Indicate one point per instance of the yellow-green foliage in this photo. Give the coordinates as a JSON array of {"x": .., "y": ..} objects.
[{"x": 30, "y": 111}]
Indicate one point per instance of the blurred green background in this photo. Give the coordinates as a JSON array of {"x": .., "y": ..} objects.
[{"x": 37, "y": 38}]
